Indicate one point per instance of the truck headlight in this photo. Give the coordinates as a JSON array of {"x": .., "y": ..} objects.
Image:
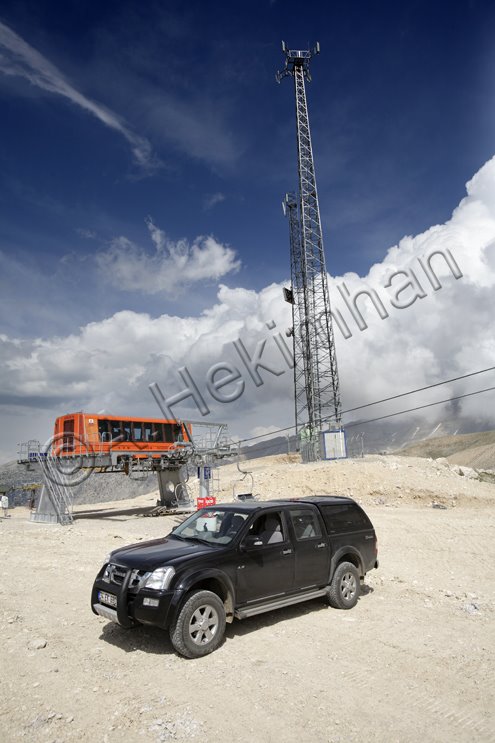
[
  {"x": 159, "y": 580},
  {"x": 106, "y": 572}
]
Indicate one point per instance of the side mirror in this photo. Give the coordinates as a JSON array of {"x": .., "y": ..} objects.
[{"x": 252, "y": 540}]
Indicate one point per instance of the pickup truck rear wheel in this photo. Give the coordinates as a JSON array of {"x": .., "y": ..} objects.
[
  {"x": 200, "y": 626},
  {"x": 344, "y": 589}
]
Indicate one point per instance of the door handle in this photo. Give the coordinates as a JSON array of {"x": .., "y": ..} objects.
[
  {"x": 287, "y": 552},
  {"x": 321, "y": 545},
  {"x": 369, "y": 536}
]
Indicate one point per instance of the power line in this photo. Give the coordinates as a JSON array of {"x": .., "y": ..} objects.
[
  {"x": 382, "y": 417},
  {"x": 419, "y": 389},
  {"x": 419, "y": 407},
  {"x": 387, "y": 399}
]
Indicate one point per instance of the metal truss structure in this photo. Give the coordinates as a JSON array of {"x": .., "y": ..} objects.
[
  {"x": 302, "y": 379},
  {"x": 316, "y": 380},
  {"x": 208, "y": 443}
]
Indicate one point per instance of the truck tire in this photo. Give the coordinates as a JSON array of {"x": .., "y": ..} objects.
[
  {"x": 200, "y": 625},
  {"x": 343, "y": 591}
]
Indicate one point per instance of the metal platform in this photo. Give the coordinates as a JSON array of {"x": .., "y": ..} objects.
[
  {"x": 165, "y": 511},
  {"x": 61, "y": 473}
]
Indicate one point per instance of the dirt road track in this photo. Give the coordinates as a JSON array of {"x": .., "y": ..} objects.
[{"x": 413, "y": 662}]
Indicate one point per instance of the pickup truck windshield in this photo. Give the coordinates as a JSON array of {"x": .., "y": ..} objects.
[{"x": 211, "y": 527}]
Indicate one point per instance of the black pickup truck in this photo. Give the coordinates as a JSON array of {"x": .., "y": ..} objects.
[{"x": 237, "y": 560}]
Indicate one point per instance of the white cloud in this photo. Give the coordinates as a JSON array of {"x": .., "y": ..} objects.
[
  {"x": 19, "y": 59},
  {"x": 173, "y": 265},
  {"x": 212, "y": 200},
  {"x": 87, "y": 234},
  {"x": 447, "y": 332}
]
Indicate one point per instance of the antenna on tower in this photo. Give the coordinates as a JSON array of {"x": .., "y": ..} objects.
[{"x": 316, "y": 380}]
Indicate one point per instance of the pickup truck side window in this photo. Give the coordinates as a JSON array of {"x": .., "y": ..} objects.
[
  {"x": 269, "y": 528},
  {"x": 305, "y": 524},
  {"x": 344, "y": 518}
]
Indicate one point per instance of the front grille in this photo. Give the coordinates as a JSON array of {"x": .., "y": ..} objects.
[{"x": 117, "y": 575}]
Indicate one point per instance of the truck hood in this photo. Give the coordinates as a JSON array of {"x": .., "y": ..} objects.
[{"x": 157, "y": 552}]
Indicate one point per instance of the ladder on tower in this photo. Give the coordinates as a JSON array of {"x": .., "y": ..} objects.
[{"x": 55, "y": 491}]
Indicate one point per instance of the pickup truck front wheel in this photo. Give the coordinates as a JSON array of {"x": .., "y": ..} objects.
[
  {"x": 200, "y": 626},
  {"x": 343, "y": 591}
]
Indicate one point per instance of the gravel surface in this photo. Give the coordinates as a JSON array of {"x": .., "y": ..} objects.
[{"x": 412, "y": 662}]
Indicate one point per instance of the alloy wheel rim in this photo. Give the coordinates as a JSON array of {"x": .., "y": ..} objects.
[
  {"x": 203, "y": 625},
  {"x": 348, "y": 586}
]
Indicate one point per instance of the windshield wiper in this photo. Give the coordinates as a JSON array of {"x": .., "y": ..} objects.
[
  {"x": 199, "y": 539},
  {"x": 177, "y": 536},
  {"x": 190, "y": 539}
]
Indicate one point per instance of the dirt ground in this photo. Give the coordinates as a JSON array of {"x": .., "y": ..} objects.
[{"x": 412, "y": 662}]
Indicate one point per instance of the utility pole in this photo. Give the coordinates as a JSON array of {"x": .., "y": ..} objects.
[{"x": 316, "y": 380}]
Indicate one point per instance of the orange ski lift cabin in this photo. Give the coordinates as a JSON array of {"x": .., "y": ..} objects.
[{"x": 86, "y": 433}]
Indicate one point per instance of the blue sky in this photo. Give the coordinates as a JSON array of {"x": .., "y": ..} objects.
[{"x": 131, "y": 131}]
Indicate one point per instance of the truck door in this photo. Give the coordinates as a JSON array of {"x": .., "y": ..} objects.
[
  {"x": 265, "y": 567},
  {"x": 312, "y": 549}
]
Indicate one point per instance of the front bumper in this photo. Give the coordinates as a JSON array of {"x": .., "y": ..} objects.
[{"x": 130, "y": 609}]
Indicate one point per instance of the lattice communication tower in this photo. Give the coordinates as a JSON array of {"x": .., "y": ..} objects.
[{"x": 316, "y": 380}]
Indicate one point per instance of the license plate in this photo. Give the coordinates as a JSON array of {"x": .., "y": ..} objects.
[{"x": 107, "y": 598}]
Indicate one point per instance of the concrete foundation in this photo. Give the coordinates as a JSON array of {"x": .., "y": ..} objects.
[{"x": 45, "y": 511}]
